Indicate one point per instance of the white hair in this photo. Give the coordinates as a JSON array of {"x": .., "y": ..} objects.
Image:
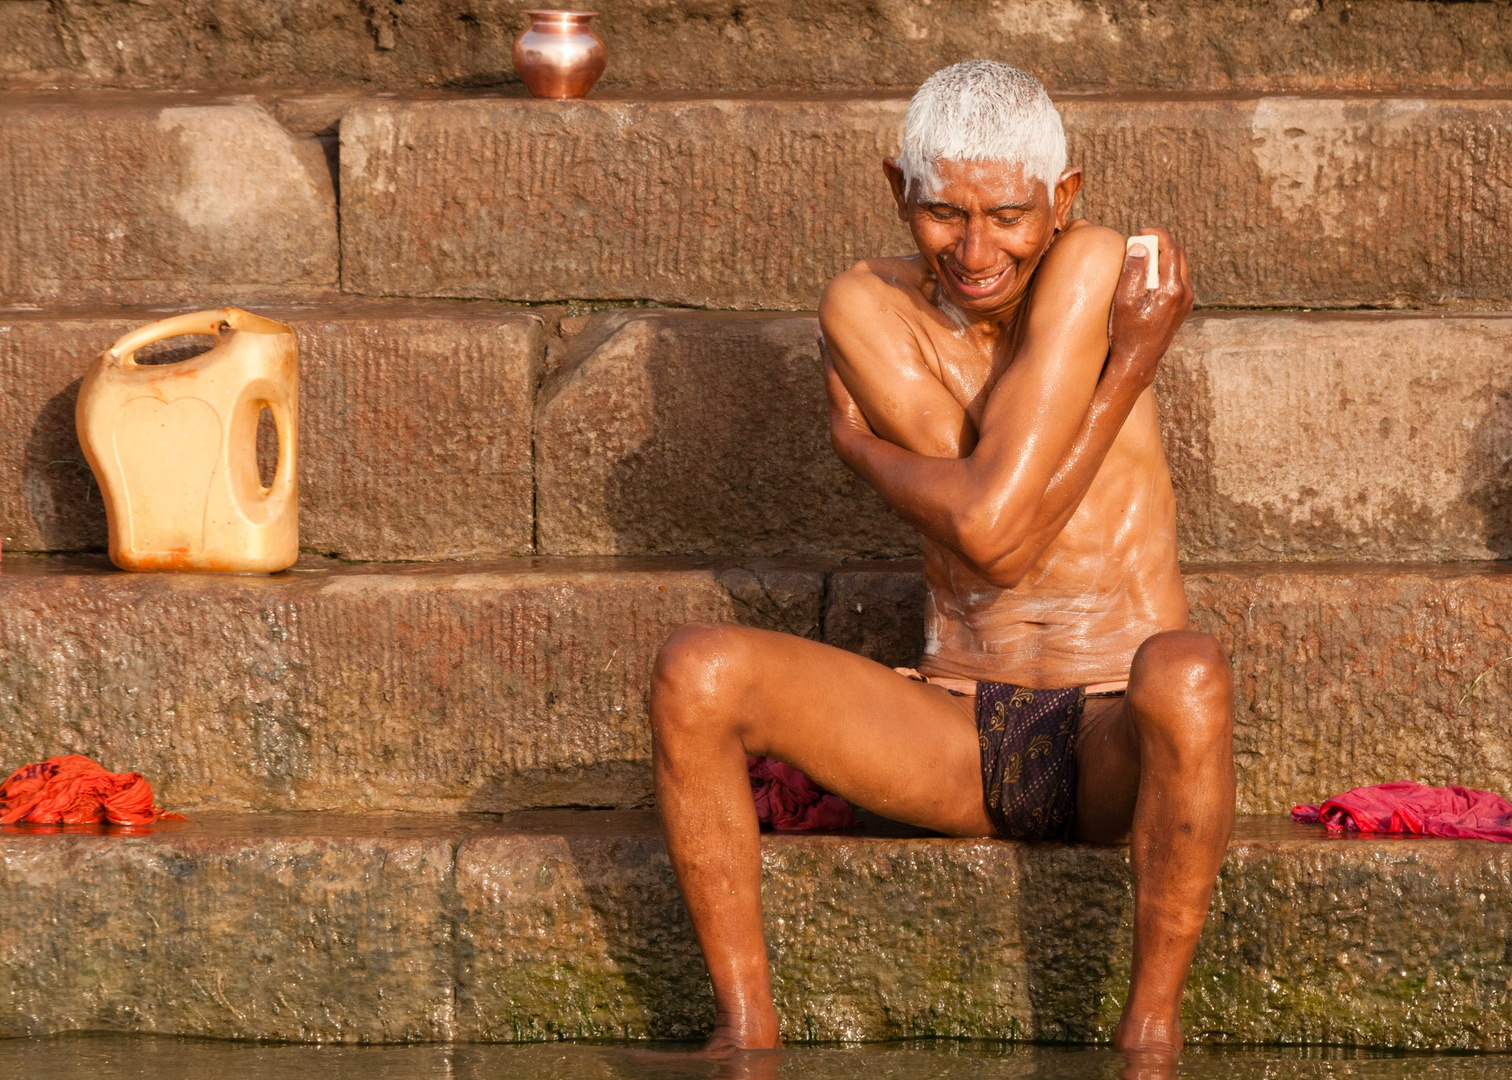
[{"x": 981, "y": 110}]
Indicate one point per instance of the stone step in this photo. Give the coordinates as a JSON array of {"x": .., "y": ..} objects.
[
  {"x": 390, "y": 928},
  {"x": 756, "y": 202},
  {"x": 761, "y": 44},
  {"x": 141, "y": 198},
  {"x": 523, "y": 683},
  {"x": 753, "y": 202},
  {"x": 1290, "y": 436},
  {"x": 414, "y": 426}
]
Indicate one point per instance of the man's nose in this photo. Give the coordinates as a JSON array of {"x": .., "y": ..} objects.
[{"x": 973, "y": 252}]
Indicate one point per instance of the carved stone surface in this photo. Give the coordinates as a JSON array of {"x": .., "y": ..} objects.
[
  {"x": 749, "y": 204},
  {"x": 463, "y": 686},
  {"x": 523, "y": 684},
  {"x": 877, "y": 610},
  {"x": 1351, "y": 675},
  {"x": 143, "y": 198},
  {"x": 756, "y": 203},
  {"x": 416, "y": 927},
  {"x": 757, "y": 44},
  {"x": 1359, "y": 436},
  {"x": 1306, "y": 202},
  {"x": 669, "y": 432},
  {"x": 259, "y": 929},
  {"x": 1290, "y": 436},
  {"x": 414, "y": 431}
]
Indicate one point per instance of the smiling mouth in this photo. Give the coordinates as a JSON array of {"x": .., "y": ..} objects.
[{"x": 974, "y": 285}]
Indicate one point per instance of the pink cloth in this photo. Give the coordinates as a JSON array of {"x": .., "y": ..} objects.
[
  {"x": 1404, "y": 807},
  {"x": 789, "y": 801}
]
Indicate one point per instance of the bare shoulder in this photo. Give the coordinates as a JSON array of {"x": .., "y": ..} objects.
[
  {"x": 865, "y": 311},
  {"x": 1086, "y": 250},
  {"x": 872, "y": 317},
  {"x": 1076, "y": 279},
  {"x": 859, "y": 290}
]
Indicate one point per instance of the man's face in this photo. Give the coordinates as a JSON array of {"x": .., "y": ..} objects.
[{"x": 983, "y": 228}]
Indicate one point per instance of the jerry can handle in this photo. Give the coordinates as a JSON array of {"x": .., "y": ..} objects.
[{"x": 123, "y": 352}]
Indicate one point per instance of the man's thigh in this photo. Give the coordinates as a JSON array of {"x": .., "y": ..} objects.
[
  {"x": 1107, "y": 771},
  {"x": 1179, "y": 688},
  {"x": 896, "y": 747}
]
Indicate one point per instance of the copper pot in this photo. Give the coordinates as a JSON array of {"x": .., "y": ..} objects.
[{"x": 560, "y": 56}]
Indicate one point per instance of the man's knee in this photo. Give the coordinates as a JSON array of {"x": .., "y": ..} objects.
[
  {"x": 1181, "y": 687},
  {"x": 699, "y": 674}
]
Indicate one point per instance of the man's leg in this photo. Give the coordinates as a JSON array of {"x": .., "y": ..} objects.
[
  {"x": 1157, "y": 766},
  {"x": 897, "y": 747}
]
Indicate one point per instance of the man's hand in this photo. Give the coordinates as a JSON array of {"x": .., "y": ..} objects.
[{"x": 1142, "y": 322}]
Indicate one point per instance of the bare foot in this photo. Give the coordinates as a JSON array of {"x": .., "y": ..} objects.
[
  {"x": 1147, "y": 1066},
  {"x": 746, "y": 1046},
  {"x": 755, "y": 1030},
  {"x": 1150, "y": 1034},
  {"x": 749, "y": 1065},
  {"x": 729, "y": 1063}
]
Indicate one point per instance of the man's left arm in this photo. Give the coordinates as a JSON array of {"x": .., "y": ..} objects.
[{"x": 1141, "y": 326}]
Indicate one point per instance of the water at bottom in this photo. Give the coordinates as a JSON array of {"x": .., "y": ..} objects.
[{"x": 129, "y": 1057}]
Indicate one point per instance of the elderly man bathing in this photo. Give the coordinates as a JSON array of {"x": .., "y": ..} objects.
[{"x": 994, "y": 388}]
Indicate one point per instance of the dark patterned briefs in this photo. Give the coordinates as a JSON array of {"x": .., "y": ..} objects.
[{"x": 1028, "y": 741}]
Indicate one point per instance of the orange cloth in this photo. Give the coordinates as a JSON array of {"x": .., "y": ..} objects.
[{"x": 73, "y": 790}]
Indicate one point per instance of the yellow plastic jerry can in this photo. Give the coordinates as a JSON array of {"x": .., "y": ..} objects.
[{"x": 174, "y": 446}]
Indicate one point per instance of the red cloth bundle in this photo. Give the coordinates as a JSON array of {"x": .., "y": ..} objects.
[
  {"x": 1404, "y": 807},
  {"x": 789, "y": 801},
  {"x": 73, "y": 790}
]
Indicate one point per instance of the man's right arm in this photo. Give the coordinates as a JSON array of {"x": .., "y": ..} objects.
[{"x": 876, "y": 353}]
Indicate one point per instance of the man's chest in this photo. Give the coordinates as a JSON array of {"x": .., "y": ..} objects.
[{"x": 968, "y": 370}]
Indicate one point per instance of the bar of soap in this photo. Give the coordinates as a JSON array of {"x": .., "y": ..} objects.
[{"x": 1150, "y": 243}]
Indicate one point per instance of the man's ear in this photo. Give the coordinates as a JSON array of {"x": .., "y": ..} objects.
[
  {"x": 894, "y": 173},
  {"x": 1066, "y": 190}
]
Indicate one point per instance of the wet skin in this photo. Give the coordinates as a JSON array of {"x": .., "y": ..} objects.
[{"x": 995, "y": 390}]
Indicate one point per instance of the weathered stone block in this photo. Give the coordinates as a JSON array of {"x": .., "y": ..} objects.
[
  {"x": 877, "y": 610},
  {"x": 1310, "y": 202},
  {"x": 573, "y": 936},
  {"x": 1340, "y": 436},
  {"x": 1383, "y": 943},
  {"x": 748, "y": 204},
  {"x": 145, "y": 198},
  {"x": 664, "y": 433},
  {"x": 757, "y": 203},
  {"x": 387, "y": 928},
  {"x": 1290, "y": 436},
  {"x": 1351, "y": 675},
  {"x": 1203, "y": 45},
  {"x": 442, "y": 687},
  {"x": 870, "y": 938},
  {"x": 414, "y": 428},
  {"x": 257, "y": 932}
]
